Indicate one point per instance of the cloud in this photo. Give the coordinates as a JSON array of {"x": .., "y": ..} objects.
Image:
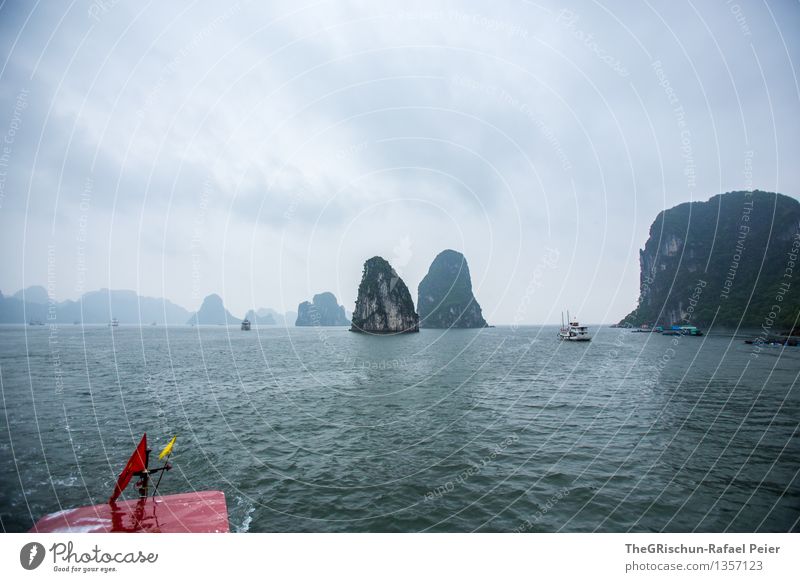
[{"x": 277, "y": 147}]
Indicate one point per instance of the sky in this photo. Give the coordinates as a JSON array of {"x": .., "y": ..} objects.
[{"x": 265, "y": 152}]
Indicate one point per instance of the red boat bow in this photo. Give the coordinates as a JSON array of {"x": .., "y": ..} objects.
[{"x": 198, "y": 512}]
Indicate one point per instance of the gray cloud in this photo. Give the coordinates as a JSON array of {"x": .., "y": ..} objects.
[{"x": 282, "y": 146}]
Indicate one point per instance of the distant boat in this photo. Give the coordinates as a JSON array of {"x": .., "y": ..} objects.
[
  {"x": 154, "y": 323},
  {"x": 644, "y": 328},
  {"x": 682, "y": 330},
  {"x": 114, "y": 322},
  {"x": 573, "y": 331},
  {"x": 690, "y": 330},
  {"x": 245, "y": 324},
  {"x": 35, "y": 322},
  {"x": 774, "y": 341}
]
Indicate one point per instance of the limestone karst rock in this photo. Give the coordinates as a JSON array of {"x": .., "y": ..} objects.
[
  {"x": 445, "y": 296},
  {"x": 384, "y": 304},
  {"x": 722, "y": 261},
  {"x": 323, "y": 310},
  {"x": 213, "y": 312}
]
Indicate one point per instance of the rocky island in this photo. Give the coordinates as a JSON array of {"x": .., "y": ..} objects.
[
  {"x": 212, "y": 312},
  {"x": 384, "y": 304},
  {"x": 445, "y": 296},
  {"x": 323, "y": 310},
  {"x": 731, "y": 261},
  {"x": 254, "y": 318}
]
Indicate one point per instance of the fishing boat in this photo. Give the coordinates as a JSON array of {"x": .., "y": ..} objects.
[
  {"x": 773, "y": 341},
  {"x": 573, "y": 331},
  {"x": 644, "y": 328},
  {"x": 191, "y": 512},
  {"x": 245, "y": 324},
  {"x": 114, "y": 322},
  {"x": 682, "y": 330},
  {"x": 690, "y": 330}
]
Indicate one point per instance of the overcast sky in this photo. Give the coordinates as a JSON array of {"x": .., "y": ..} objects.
[{"x": 265, "y": 153}]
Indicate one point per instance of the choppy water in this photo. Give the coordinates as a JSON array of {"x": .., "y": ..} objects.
[{"x": 325, "y": 430}]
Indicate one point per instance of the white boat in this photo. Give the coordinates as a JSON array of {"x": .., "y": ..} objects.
[
  {"x": 573, "y": 331},
  {"x": 114, "y": 322}
]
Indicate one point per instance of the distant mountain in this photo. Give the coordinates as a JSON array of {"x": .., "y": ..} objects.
[
  {"x": 732, "y": 260},
  {"x": 33, "y": 294},
  {"x": 99, "y": 307},
  {"x": 93, "y": 307},
  {"x": 126, "y": 306},
  {"x": 323, "y": 310},
  {"x": 445, "y": 296},
  {"x": 13, "y": 310},
  {"x": 281, "y": 319},
  {"x": 255, "y": 319},
  {"x": 213, "y": 312}
]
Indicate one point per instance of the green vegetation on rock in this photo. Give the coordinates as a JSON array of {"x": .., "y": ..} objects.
[
  {"x": 445, "y": 296},
  {"x": 731, "y": 261},
  {"x": 384, "y": 304}
]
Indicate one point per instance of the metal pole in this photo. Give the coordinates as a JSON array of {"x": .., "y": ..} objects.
[
  {"x": 163, "y": 470},
  {"x": 145, "y": 474}
]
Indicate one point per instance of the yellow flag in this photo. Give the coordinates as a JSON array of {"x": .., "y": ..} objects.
[{"x": 168, "y": 449}]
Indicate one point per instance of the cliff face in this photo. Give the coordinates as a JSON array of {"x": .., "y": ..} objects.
[
  {"x": 729, "y": 261},
  {"x": 384, "y": 304},
  {"x": 323, "y": 310},
  {"x": 445, "y": 296}
]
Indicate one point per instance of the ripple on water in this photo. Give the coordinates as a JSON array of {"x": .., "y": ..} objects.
[{"x": 300, "y": 441}]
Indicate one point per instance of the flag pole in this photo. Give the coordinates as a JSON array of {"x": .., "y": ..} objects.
[
  {"x": 166, "y": 467},
  {"x": 163, "y": 470}
]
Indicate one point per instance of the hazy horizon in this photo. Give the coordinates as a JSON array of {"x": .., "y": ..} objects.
[
  {"x": 255, "y": 308},
  {"x": 264, "y": 153}
]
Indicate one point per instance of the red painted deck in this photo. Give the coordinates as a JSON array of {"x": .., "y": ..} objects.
[{"x": 200, "y": 512}]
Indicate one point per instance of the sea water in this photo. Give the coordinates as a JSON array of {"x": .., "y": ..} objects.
[{"x": 497, "y": 429}]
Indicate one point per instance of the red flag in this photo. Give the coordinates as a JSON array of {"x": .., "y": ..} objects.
[{"x": 136, "y": 464}]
